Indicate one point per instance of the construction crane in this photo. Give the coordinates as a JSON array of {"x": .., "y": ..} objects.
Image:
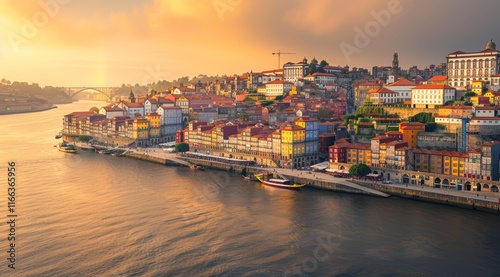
[{"x": 279, "y": 53}]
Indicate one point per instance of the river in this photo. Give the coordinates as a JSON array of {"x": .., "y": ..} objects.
[{"x": 87, "y": 214}]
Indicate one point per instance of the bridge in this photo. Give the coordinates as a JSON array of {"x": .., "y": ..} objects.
[{"x": 109, "y": 92}]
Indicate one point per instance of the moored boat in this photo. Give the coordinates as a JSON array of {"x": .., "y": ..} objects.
[
  {"x": 197, "y": 167},
  {"x": 278, "y": 182},
  {"x": 67, "y": 148}
]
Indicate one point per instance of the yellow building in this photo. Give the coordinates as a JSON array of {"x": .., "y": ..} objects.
[
  {"x": 154, "y": 125},
  {"x": 293, "y": 141},
  {"x": 491, "y": 95},
  {"x": 440, "y": 162},
  {"x": 477, "y": 87},
  {"x": 140, "y": 128}
]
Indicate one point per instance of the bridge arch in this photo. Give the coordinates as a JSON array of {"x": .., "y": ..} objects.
[{"x": 104, "y": 91}]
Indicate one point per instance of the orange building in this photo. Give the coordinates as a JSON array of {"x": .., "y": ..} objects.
[{"x": 410, "y": 132}]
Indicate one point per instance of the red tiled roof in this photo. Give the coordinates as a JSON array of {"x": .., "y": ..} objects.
[
  {"x": 440, "y": 78},
  {"x": 402, "y": 82}
]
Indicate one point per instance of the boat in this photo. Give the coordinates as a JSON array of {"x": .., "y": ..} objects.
[
  {"x": 66, "y": 147},
  {"x": 58, "y": 136},
  {"x": 105, "y": 151},
  {"x": 197, "y": 167},
  {"x": 278, "y": 182}
]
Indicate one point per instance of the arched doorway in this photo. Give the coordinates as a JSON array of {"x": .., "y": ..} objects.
[
  {"x": 486, "y": 187},
  {"x": 406, "y": 179},
  {"x": 437, "y": 182},
  {"x": 467, "y": 186},
  {"x": 494, "y": 188},
  {"x": 445, "y": 182},
  {"x": 478, "y": 187},
  {"x": 421, "y": 180}
]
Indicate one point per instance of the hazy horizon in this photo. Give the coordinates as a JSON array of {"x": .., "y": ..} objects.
[{"x": 93, "y": 43}]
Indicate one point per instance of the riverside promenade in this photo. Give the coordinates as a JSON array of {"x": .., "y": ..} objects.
[{"x": 485, "y": 201}]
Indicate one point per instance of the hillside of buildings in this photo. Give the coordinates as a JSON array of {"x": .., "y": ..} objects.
[{"x": 444, "y": 118}]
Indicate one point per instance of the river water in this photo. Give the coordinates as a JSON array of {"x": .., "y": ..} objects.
[{"x": 87, "y": 214}]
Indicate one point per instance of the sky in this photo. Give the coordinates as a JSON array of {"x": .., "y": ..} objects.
[{"x": 114, "y": 42}]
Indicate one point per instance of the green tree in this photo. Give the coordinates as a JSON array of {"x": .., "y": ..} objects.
[
  {"x": 313, "y": 66},
  {"x": 84, "y": 138},
  {"x": 346, "y": 117},
  {"x": 244, "y": 116},
  {"x": 279, "y": 98},
  {"x": 431, "y": 127},
  {"x": 324, "y": 113},
  {"x": 322, "y": 65},
  {"x": 470, "y": 93},
  {"x": 353, "y": 170},
  {"x": 182, "y": 147},
  {"x": 422, "y": 118},
  {"x": 359, "y": 170},
  {"x": 265, "y": 103},
  {"x": 363, "y": 170}
]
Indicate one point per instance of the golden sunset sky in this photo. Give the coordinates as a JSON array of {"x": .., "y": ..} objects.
[{"x": 108, "y": 43}]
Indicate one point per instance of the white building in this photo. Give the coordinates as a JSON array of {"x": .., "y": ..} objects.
[
  {"x": 465, "y": 67},
  {"x": 111, "y": 111},
  {"x": 277, "y": 88},
  {"x": 429, "y": 96},
  {"x": 132, "y": 109},
  {"x": 321, "y": 78},
  {"x": 292, "y": 72},
  {"x": 152, "y": 104},
  {"x": 170, "y": 120},
  {"x": 403, "y": 87},
  {"x": 380, "y": 96},
  {"x": 486, "y": 111},
  {"x": 485, "y": 121}
]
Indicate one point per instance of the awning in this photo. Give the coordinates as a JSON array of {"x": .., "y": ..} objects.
[
  {"x": 372, "y": 175},
  {"x": 343, "y": 171},
  {"x": 321, "y": 166}
]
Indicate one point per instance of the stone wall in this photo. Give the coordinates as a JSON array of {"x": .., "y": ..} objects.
[{"x": 405, "y": 113}]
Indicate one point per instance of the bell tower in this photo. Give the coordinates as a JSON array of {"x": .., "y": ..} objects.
[{"x": 395, "y": 66}]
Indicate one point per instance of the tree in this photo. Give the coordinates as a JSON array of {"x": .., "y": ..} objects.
[
  {"x": 244, "y": 116},
  {"x": 322, "y": 65},
  {"x": 84, "y": 138},
  {"x": 363, "y": 170},
  {"x": 265, "y": 103},
  {"x": 182, "y": 147},
  {"x": 346, "y": 117},
  {"x": 94, "y": 109},
  {"x": 324, "y": 113},
  {"x": 470, "y": 93},
  {"x": 359, "y": 170},
  {"x": 279, "y": 98},
  {"x": 422, "y": 118},
  {"x": 313, "y": 66}
]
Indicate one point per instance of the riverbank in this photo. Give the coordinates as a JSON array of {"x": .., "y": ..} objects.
[
  {"x": 482, "y": 201},
  {"x": 32, "y": 109}
]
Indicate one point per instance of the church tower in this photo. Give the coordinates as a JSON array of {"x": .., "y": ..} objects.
[{"x": 395, "y": 66}]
